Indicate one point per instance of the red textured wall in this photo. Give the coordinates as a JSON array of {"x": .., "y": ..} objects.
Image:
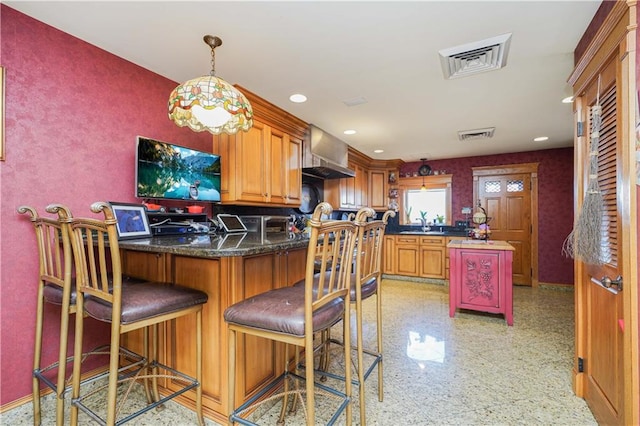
[
  {"x": 73, "y": 112},
  {"x": 555, "y": 200}
]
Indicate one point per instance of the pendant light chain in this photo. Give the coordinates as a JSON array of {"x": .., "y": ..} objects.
[{"x": 213, "y": 62}]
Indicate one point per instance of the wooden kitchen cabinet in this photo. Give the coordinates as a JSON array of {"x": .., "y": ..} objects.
[
  {"x": 423, "y": 256},
  {"x": 378, "y": 192},
  {"x": 407, "y": 255},
  {"x": 481, "y": 277},
  {"x": 432, "y": 257},
  {"x": 369, "y": 188},
  {"x": 388, "y": 255},
  {"x": 263, "y": 166},
  {"x": 147, "y": 266}
]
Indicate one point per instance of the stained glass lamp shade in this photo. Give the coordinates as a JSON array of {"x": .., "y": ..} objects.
[{"x": 210, "y": 103}]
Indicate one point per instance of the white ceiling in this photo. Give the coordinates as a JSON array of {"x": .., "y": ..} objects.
[{"x": 383, "y": 51}]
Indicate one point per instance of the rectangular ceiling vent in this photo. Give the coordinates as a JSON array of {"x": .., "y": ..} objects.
[
  {"x": 477, "y": 134},
  {"x": 474, "y": 58}
]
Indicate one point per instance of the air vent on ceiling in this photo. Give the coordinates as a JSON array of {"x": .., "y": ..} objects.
[
  {"x": 477, "y": 57},
  {"x": 471, "y": 135},
  {"x": 355, "y": 101}
]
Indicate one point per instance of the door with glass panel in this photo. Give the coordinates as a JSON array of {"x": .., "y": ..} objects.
[{"x": 505, "y": 192}]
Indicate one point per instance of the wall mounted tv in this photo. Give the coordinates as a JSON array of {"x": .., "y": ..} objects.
[{"x": 173, "y": 172}]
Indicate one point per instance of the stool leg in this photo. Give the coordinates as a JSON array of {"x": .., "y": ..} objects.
[
  {"x": 346, "y": 331},
  {"x": 309, "y": 373},
  {"x": 37, "y": 356},
  {"x": 114, "y": 362},
  {"x": 145, "y": 355},
  {"x": 62, "y": 363},
  {"x": 199, "y": 367},
  {"x": 285, "y": 395},
  {"x": 77, "y": 361},
  {"x": 379, "y": 336},
  {"x": 154, "y": 359},
  {"x": 231, "y": 383},
  {"x": 360, "y": 368}
]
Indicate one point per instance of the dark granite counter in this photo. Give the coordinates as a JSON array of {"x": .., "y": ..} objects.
[
  {"x": 212, "y": 246},
  {"x": 446, "y": 233}
]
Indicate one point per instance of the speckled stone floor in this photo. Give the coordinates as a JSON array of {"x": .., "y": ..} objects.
[{"x": 469, "y": 370}]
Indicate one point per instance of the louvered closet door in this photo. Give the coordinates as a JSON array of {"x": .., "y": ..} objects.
[{"x": 604, "y": 360}]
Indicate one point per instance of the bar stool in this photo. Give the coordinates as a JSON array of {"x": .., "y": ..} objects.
[
  {"x": 294, "y": 314},
  {"x": 365, "y": 283},
  {"x": 56, "y": 287},
  {"x": 102, "y": 296}
]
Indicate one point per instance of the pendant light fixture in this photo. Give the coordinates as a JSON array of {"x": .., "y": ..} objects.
[
  {"x": 210, "y": 103},
  {"x": 423, "y": 172}
]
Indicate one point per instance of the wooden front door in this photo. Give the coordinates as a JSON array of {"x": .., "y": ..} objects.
[{"x": 505, "y": 192}]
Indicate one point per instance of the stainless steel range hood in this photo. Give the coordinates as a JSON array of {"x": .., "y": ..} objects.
[{"x": 324, "y": 156}]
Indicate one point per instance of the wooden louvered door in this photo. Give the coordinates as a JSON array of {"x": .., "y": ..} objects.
[
  {"x": 605, "y": 370},
  {"x": 603, "y": 360}
]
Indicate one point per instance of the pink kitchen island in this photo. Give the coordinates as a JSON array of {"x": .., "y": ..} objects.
[{"x": 480, "y": 277}]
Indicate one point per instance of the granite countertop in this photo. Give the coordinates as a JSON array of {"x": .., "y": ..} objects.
[
  {"x": 212, "y": 246},
  {"x": 444, "y": 233}
]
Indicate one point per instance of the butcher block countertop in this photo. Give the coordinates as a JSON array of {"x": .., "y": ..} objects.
[{"x": 481, "y": 245}]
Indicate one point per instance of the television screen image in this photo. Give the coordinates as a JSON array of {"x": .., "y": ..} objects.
[{"x": 168, "y": 171}]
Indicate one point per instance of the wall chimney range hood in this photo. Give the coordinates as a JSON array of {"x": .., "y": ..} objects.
[{"x": 324, "y": 156}]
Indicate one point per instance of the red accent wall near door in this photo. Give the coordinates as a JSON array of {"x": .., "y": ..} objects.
[{"x": 72, "y": 114}]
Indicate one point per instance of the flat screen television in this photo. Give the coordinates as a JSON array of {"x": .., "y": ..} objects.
[{"x": 172, "y": 172}]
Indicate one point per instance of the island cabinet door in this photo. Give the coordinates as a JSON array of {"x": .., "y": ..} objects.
[
  {"x": 480, "y": 288},
  {"x": 147, "y": 266},
  {"x": 259, "y": 361},
  {"x": 205, "y": 275},
  {"x": 290, "y": 266}
]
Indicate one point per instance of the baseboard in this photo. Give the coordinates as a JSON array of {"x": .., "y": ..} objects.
[
  {"x": 556, "y": 286},
  {"x": 45, "y": 391},
  {"x": 416, "y": 279}
]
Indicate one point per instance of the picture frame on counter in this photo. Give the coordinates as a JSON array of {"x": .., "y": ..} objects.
[{"x": 132, "y": 220}]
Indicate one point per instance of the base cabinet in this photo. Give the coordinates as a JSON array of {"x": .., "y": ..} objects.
[
  {"x": 415, "y": 256},
  {"x": 226, "y": 280},
  {"x": 481, "y": 277}
]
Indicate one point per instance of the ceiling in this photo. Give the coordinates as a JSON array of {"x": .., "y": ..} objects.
[{"x": 383, "y": 51}]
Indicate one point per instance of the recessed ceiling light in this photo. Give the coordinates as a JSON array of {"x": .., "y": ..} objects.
[
  {"x": 541, "y": 139},
  {"x": 349, "y": 132},
  {"x": 298, "y": 98},
  {"x": 568, "y": 100},
  {"x": 378, "y": 151}
]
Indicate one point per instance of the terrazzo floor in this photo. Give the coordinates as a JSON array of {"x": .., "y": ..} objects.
[{"x": 469, "y": 370}]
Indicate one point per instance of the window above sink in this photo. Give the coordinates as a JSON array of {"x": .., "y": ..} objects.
[{"x": 433, "y": 199}]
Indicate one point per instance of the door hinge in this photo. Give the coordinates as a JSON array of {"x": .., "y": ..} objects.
[
  {"x": 579, "y": 128},
  {"x": 580, "y": 365}
]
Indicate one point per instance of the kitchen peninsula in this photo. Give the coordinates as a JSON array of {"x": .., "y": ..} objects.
[{"x": 229, "y": 268}]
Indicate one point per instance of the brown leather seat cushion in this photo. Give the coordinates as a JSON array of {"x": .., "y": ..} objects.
[
  {"x": 368, "y": 288},
  {"x": 53, "y": 293},
  {"x": 147, "y": 300},
  {"x": 282, "y": 310}
]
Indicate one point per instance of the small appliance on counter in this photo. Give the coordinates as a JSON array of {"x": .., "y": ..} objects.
[
  {"x": 177, "y": 223},
  {"x": 266, "y": 225}
]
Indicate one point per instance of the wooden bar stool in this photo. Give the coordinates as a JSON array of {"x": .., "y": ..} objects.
[
  {"x": 102, "y": 296},
  {"x": 365, "y": 283},
  {"x": 56, "y": 287},
  {"x": 294, "y": 314}
]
